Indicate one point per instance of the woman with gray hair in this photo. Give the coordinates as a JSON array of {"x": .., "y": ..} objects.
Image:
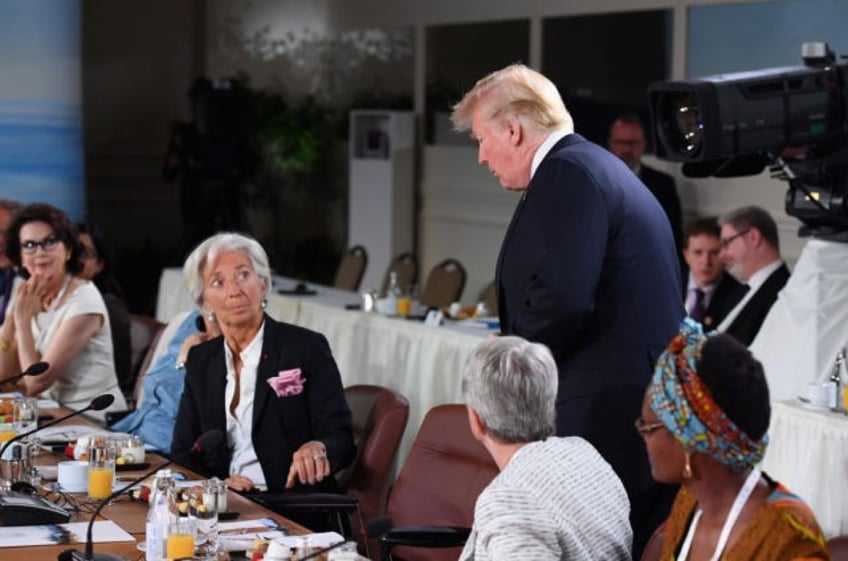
[
  {"x": 273, "y": 388},
  {"x": 555, "y": 498}
]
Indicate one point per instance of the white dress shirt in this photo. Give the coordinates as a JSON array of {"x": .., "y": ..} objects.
[
  {"x": 754, "y": 283},
  {"x": 708, "y": 289},
  {"x": 240, "y": 426},
  {"x": 545, "y": 147}
]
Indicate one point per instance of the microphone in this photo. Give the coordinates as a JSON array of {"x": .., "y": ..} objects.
[
  {"x": 98, "y": 403},
  {"x": 34, "y": 369},
  {"x": 207, "y": 440}
]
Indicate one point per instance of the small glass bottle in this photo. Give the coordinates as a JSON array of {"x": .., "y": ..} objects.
[
  {"x": 159, "y": 513},
  {"x": 392, "y": 294}
]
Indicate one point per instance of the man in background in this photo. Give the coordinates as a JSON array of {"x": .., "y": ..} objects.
[
  {"x": 8, "y": 210},
  {"x": 627, "y": 141},
  {"x": 710, "y": 293},
  {"x": 587, "y": 267},
  {"x": 751, "y": 253}
]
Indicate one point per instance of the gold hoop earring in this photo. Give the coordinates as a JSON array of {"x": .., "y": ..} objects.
[{"x": 687, "y": 467}]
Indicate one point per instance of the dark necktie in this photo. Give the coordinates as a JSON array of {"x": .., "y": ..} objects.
[{"x": 697, "y": 312}]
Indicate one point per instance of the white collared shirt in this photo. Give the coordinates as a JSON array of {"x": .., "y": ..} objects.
[
  {"x": 754, "y": 283},
  {"x": 239, "y": 427},
  {"x": 708, "y": 290},
  {"x": 545, "y": 147}
]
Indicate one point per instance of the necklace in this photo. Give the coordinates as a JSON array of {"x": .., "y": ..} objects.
[{"x": 741, "y": 498}]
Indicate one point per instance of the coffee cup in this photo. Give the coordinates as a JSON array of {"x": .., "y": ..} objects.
[
  {"x": 818, "y": 393},
  {"x": 73, "y": 476}
]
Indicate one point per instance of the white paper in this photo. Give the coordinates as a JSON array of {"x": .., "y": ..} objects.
[
  {"x": 66, "y": 433},
  {"x": 104, "y": 531},
  {"x": 324, "y": 539},
  {"x": 244, "y": 542}
]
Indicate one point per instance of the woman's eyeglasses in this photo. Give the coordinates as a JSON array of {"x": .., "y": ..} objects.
[
  {"x": 645, "y": 429},
  {"x": 47, "y": 244}
]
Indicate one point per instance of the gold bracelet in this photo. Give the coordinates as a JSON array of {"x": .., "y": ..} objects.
[{"x": 6, "y": 345}]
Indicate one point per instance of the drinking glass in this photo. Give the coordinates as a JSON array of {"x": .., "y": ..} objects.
[
  {"x": 25, "y": 414},
  {"x": 7, "y": 427},
  {"x": 101, "y": 469},
  {"x": 205, "y": 507},
  {"x": 180, "y": 541}
]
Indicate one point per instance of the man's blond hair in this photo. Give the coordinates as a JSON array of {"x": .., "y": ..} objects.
[{"x": 515, "y": 91}]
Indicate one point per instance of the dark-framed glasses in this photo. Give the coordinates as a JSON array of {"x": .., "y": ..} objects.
[
  {"x": 727, "y": 241},
  {"x": 644, "y": 428},
  {"x": 47, "y": 244}
]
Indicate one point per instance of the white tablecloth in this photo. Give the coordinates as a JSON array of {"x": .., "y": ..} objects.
[
  {"x": 422, "y": 363},
  {"x": 808, "y": 452}
]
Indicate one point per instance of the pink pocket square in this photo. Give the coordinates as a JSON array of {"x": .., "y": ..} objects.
[{"x": 287, "y": 382}]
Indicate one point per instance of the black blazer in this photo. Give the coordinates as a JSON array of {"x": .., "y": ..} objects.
[
  {"x": 663, "y": 187},
  {"x": 588, "y": 267},
  {"x": 726, "y": 295},
  {"x": 280, "y": 424},
  {"x": 747, "y": 324}
]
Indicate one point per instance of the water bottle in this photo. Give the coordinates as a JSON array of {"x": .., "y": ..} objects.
[
  {"x": 162, "y": 497},
  {"x": 392, "y": 294}
]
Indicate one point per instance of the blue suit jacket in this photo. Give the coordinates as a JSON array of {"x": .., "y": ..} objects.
[
  {"x": 280, "y": 424},
  {"x": 589, "y": 268}
]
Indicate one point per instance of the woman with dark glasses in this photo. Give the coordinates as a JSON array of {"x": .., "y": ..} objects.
[
  {"x": 55, "y": 316},
  {"x": 704, "y": 422}
]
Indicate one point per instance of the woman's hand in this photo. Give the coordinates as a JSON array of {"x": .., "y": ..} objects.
[
  {"x": 239, "y": 483},
  {"x": 309, "y": 464},
  {"x": 29, "y": 299}
]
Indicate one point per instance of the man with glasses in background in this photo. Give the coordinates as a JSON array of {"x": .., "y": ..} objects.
[
  {"x": 751, "y": 252},
  {"x": 8, "y": 209}
]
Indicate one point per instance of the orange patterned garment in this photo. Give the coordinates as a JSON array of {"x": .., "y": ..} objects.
[{"x": 783, "y": 529}]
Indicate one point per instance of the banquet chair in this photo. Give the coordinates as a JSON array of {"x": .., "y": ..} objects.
[
  {"x": 490, "y": 298},
  {"x": 444, "y": 284},
  {"x": 838, "y": 548},
  {"x": 406, "y": 267},
  {"x": 379, "y": 419},
  {"x": 431, "y": 504},
  {"x": 351, "y": 268}
]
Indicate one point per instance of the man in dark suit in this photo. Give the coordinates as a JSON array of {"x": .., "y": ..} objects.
[
  {"x": 751, "y": 252},
  {"x": 588, "y": 267},
  {"x": 627, "y": 141},
  {"x": 709, "y": 293}
]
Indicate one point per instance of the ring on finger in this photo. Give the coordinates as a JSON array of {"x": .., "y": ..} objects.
[{"x": 319, "y": 457}]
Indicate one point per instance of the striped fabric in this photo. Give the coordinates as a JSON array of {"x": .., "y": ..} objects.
[{"x": 556, "y": 499}]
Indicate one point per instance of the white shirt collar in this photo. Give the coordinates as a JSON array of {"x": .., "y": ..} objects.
[
  {"x": 758, "y": 278},
  {"x": 707, "y": 288},
  {"x": 545, "y": 147}
]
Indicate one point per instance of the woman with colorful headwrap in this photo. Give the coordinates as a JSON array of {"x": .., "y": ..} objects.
[{"x": 704, "y": 421}]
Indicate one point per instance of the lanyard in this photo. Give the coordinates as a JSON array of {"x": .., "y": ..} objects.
[
  {"x": 49, "y": 313},
  {"x": 735, "y": 510}
]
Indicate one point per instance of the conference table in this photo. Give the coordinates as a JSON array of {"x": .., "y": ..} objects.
[
  {"x": 129, "y": 514},
  {"x": 808, "y": 450},
  {"x": 421, "y": 362}
]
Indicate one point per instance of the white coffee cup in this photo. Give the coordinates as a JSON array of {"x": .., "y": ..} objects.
[
  {"x": 73, "y": 476},
  {"x": 818, "y": 393}
]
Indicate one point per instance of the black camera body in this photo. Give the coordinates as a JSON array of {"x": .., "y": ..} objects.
[{"x": 794, "y": 119}]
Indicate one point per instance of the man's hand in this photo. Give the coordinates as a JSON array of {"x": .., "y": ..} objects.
[
  {"x": 309, "y": 464},
  {"x": 239, "y": 483}
]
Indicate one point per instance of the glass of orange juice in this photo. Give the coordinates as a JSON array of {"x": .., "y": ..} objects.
[
  {"x": 180, "y": 541},
  {"x": 101, "y": 469}
]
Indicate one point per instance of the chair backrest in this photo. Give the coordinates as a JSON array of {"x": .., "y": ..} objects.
[
  {"x": 490, "y": 298},
  {"x": 406, "y": 267},
  {"x": 379, "y": 419},
  {"x": 444, "y": 284},
  {"x": 445, "y": 472},
  {"x": 143, "y": 331},
  {"x": 653, "y": 549},
  {"x": 351, "y": 268},
  {"x": 838, "y": 548}
]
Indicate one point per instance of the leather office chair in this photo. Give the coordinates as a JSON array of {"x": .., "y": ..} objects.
[
  {"x": 653, "y": 548},
  {"x": 379, "y": 420},
  {"x": 838, "y": 548},
  {"x": 351, "y": 268},
  {"x": 143, "y": 332},
  {"x": 406, "y": 267},
  {"x": 444, "y": 284},
  {"x": 445, "y": 472}
]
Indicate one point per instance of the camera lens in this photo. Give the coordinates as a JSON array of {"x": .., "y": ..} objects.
[{"x": 680, "y": 125}]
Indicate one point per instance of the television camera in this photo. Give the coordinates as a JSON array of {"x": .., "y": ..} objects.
[{"x": 792, "y": 119}]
